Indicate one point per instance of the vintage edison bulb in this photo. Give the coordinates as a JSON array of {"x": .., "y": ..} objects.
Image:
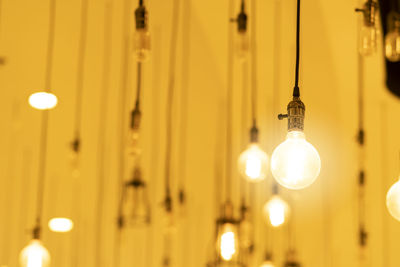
[
  {"x": 34, "y": 255},
  {"x": 142, "y": 44},
  {"x": 295, "y": 163},
  {"x": 392, "y": 45},
  {"x": 227, "y": 241},
  {"x": 393, "y": 200},
  {"x": 253, "y": 163},
  {"x": 138, "y": 207},
  {"x": 242, "y": 44},
  {"x": 276, "y": 211},
  {"x": 267, "y": 263},
  {"x": 368, "y": 40},
  {"x": 42, "y": 100}
]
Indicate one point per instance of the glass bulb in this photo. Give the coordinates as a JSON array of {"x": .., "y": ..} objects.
[
  {"x": 276, "y": 211},
  {"x": 138, "y": 207},
  {"x": 34, "y": 255},
  {"x": 368, "y": 40},
  {"x": 253, "y": 163},
  {"x": 242, "y": 44},
  {"x": 227, "y": 241},
  {"x": 393, "y": 200},
  {"x": 142, "y": 44},
  {"x": 392, "y": 45},
  {"x": 267, "y": 263},
  {"x": 295, "y": 163},
  {"x": 246, "y": 235},
  {"x": 43, "y": 100},
  {"x": 61, "y": 225}
]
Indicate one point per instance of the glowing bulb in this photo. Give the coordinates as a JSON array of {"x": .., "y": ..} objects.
[
  {"x": 276, "y": 211},
  {"x": 35, "y": 255},
  {"x": 61, "y": 225},
  {"x": 393, "y": 200},
  {"x": 392, "y": 45},
  {"x": 295, "y": 163},
  {"x": 368, "y": 40},
  {"x": 42, "y": 100},
  {"x": 142, "y": 44},
  {"x": 253, "y": 163},
  {"x": 227, "y": 242},
  {"x": 267, "y": 263}
]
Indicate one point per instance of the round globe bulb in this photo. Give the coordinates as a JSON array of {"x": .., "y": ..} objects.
[
  {"x": 267, "y": 263},
  {"x": 276, "y": 211},
  {"x": 392, "y": 45},
  {"x": 295, "y": 163},
  {"x": 43, "y": 100},
  {"x": 35, "y": 255},
  {"x": 227, "y": 242},
  {"x": 253, "y": 163},
  {"x": 393, "y": 200}
]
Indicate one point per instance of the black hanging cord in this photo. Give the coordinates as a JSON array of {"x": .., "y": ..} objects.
[
  {"x": 296, "y": 90},
  {"x": 139, "y": 85},
  {"x": 253, "y": 67},
  {"x": 80, "y": 74}
]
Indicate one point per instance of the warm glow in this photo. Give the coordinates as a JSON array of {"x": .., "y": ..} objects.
[
  {"x": 392, "y": 45},
  {"x": 35, "y": 255},
  {"x": 43, "y": 100},
  {"x": 267, "y": 264},
  {"x": 61, "y": 225},
  {"x": 393, "y": 200},
  {"x": 368, "y": 40},
  {"x": 253, "y": 163},
  {"x": 295, "y": 163},
  {"x": 227, "y": 242},
  {"x": 276, "y": 211},
  {"x": 142, "y": 44}
]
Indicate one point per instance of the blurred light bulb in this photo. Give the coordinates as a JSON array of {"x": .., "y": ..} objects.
[
  {"x": 392, "y": 42},
  {"x": 35, "y": 255},
  {"x": 295, "y": 163},
  {"x": 267, "y": 263},
  {"x": 253, "y": 163},
  {"x": 42, "y": 100},
  {"x": 61, "y": 225},
  {"x": 246, "y": 232},
  {"x": 242, "y": 44},
  {"x": 368, "y": 40},
  {"x": 142, "y": 44},
  {"x": 276, "y": 211},
  {"x": 393, "y": 200},
  {"x": 228, "y": 242}
]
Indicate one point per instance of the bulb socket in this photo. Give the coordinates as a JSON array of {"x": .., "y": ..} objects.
[
  {"x": 36, "y": 232},
  {"x": 254, "y": 134},
  {"x": 369, "y": 10},
  {"x": 296, "y": 112},
  {"x": 136, "y": 117},
  {"x": 242, "y": 22},
  {"x": 141, "y": 17}
]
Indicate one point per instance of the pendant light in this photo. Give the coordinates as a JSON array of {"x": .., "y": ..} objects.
[
  {"x": 142, "y": 36},
  {"x": 295, "y": 163},
  {"x": 242, "y": 37},
  {"x": 291, "y": 259},
  {"x": 393, "y": 199},
  {"x": 253, "y": 162},
  {"x": 392, "y": 39},
  {"x": 35, "y": 253},
  {"x": 368, "y": 33},
  {"x": 276, "y": 210},
  {"x": 268, "y": 261}
]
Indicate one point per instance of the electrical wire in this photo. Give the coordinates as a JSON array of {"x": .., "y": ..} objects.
[
  {"x": 296, "y": 90},
  {"x": 138, "y": 86},
  {"x": 253, "y": 52}
]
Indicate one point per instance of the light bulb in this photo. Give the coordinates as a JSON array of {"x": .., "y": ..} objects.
[
  {"x": 368, "y": 40},
  {"x": 42, "y": 100},
  {"x": 253, "y": 163},
  {"x": 34, "y": 255},
  {"x": 267, "y": 263},
  {"x": 61, "y": 225},
  {"x": 227, "y": 241},
  {"x": 393, "y": 200},
  {"x": 246, "y": 230},
  {"x": 295, "y": 163},
  {"x": 276, "y": 211},
  {"x": 242, "y": 44},
  {"x": 392, "y": 42},
  {"x": 142, "y": 44}
]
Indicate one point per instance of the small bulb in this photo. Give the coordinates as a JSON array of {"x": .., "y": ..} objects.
[
  {"x": 253, "y": 163},
  {"x": 227, "y": 241},
  {"x": 34, "y": 255},
  {"x": 295, "y": 163},
  {"x": 368, "y": 40},
  {"x": 43, "y": 100},
  {"x": 276, "y": 211},
  {"x": 61, "y": 225},
  {"x": 142, "y": 44},
  {"x": 242, "y": 45},
  {"x": 267, "y": 263},
  {"x": 392, "y": 45},
  {"x": 393, "y": 200}
]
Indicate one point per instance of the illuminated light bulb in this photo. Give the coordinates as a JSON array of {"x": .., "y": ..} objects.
[
  {"x": 35, "y": 255},
  {"x": 228, "y": 242},
  {"x": 392, "y": 42},
  {"x": 393, "y": 200},
  {"x": 43, "y": 100},
  {"x": 368, "y": 40},
  {"x": 295, "y": 163},
  {"x": 141, "y": 40},
  {"x": 253, "y": 163},
  {"x": 277, "y": 211},
  {"x": 61, "y": 225},
  {"x": 267, "y": 263}
]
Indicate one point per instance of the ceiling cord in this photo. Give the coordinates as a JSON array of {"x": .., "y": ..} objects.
[{"x": 296, "y": 90}]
